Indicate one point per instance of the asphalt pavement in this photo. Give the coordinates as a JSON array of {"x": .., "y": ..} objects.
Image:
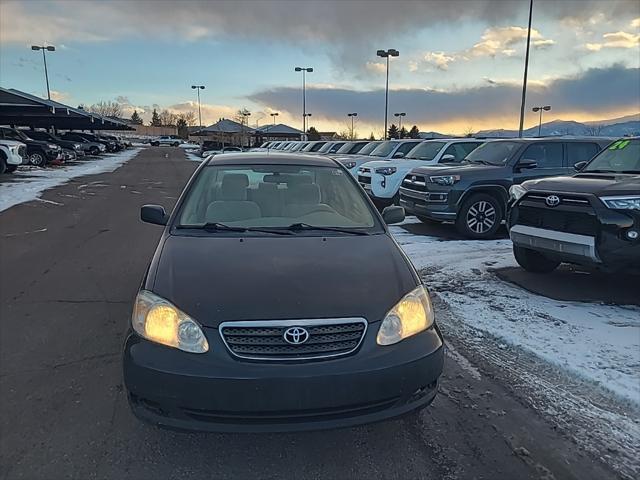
[{"x": 69, "y": 271}]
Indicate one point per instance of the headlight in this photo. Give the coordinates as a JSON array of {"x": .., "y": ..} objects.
[
  {"x": 52, "y": 146},
  {"x": 102, "y": 147},
  {"x": 155, "y": 319},
  {"x": 516, "y": 192},
  {"x": 445, "y": 179},
  {"x": 349, "y": 165},
  {"x": 77, "y": 146},
  {"x": 386, "y": 170},
  {"x": 411, "y": 315},
  {"x": 622, "y": 203}
]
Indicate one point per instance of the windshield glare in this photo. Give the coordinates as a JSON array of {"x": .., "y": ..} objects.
[
  {"x": 384, "y": 149},
  {"x": 368, "y": 148},
  {"x": 326, "y": 147},
  {"x": 493, "y": 153},
  {"x": 275, "y": 196},
  {"x": 425, "y": 151},
  {"x": 621, "y": 156}
]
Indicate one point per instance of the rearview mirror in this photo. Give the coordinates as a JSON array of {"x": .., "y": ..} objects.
[
  {"x": 448, "y": 158},
  {"x": 398, "y": 155},
  {"x": 579, "y": 166},
  {"x": 154, "y": 214},
  {"x": 393, "y": 214},
  {"x": 526, "y": 163}
]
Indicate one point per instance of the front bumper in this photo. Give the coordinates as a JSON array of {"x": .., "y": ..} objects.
[
  {"x": 432, "y": 205},
  {"x": 570, "y": 245},
  {"x": 215, "y": 392}
]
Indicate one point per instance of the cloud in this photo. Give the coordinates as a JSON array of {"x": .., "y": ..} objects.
[
  {"x": 615, "y": 40},
  {"x": 600, "y": 90},
  {"x": 60, "y": 96},
  {"x": 439, "y": 59},
  {"x": 635, "y": 23},
  {"x": 376, "y": 67}
]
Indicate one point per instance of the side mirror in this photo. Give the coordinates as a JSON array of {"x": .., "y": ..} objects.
[
  {"x": 579, "y": 166},
  {"x": 448, "y": 158},
  {"x": 154, "y": 214},
  {"x": 393, "y": 214},
  {"x": 526, "y": 163},
  {"x": 398, "y": 155}
]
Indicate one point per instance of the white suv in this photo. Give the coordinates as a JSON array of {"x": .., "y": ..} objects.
[
  {"x": 382, "y": 179},
  {"x": 382, "y": 151},
  {"x": 12, "y": 154},
  {"x": 165, "y": 140}
]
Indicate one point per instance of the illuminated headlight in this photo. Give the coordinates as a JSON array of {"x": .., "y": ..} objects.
[
  {"x": 52, "y": 146},
  {"x": 622, "y": 203},
  {"x": 445, "y": 179},
  {"x": 412, "y": 314},
  {"x": 516, "y": 192},
  {"x": 349, "y": 165},
  {"x": 386, "y": 170},
  {"x": 156, "y": 319}
]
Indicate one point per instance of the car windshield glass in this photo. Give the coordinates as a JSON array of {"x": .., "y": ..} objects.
[
  {"x": 368, "y": 148},
  {"x": 622, "y": 156},
  {"x": 326, "y": 147},
  {"x": 425, "y": 151},
  {"x": 275, "y": 196},
  {"x": 346, "y": 148},
  {"x": 492, "y": 153},
  {"x": 384, "y": 149}
]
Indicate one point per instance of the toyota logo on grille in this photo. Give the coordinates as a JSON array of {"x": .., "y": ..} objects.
[
  {"x": 295, "y": 335},
  {"x": 552, "y": 200}
]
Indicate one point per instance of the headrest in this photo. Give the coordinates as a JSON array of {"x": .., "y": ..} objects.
[
  {"x": 234, "y": 187},
  {"x": 304, "y": 193}
]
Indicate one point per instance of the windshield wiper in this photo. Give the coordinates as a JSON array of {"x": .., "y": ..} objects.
[
  {"x": 221, "y": 227},
  {"x": 306, "y": 226},
  {"x": 599, "y": 171}
]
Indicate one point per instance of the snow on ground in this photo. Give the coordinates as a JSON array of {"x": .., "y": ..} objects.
[
  {"x": 600, "y": 343},
  {"x": 193, "y": 156},
  {"x": 27, "y": 184}
]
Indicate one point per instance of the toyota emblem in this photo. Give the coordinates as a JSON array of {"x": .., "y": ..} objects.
[
  {"x": 552, "y": 200},
  {"x": 295, "y": 335}
]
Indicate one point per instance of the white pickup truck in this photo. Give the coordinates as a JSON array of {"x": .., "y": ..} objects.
[
  {"x": 12, "y": 154},
  {"x": 165, "y": 140}
]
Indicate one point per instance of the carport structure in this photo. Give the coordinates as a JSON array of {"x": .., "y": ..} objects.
[
  {"x": 277, "y": 132},
  {"x": 227, "y": 131},
  {"x": 21, "y": 109}
]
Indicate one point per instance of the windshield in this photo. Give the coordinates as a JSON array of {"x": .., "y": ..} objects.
[
  {"x": 425, "y": 151},
  {"x": 384, "y": 149},
  {"x": 622, "y": 156},
  {"x": 493, "y": 153},
  {"x": 326, "y": 147},
  {"x": 40, "y": 135},
  {"x": 275, "y": 196},
  {"x": 368, "y": 148},
  {"x": 351, "y": 148}
]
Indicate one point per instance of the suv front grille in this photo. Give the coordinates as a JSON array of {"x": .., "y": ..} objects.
[
  {"x": 265, "y": 340},
  {"x": 573, "y": 215},
  {"x": 362, "y": 179},
  {"x": 415, "y": 182}
]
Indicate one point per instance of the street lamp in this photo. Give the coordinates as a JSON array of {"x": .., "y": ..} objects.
[
  {"x": 386, "y": 54},
  {"x": 546, "y": 108},
  {"x": 526, "y": 70},
  {"x": 400, "y": 115},
  {"x": 354, "y": 114},
  {"x": 274, "y": 115},
  {"x": 304, "y": 70},
  {"x": 197, "y": 88},
  {"x": 48, "y": 48},
  {"x": 245, "y": 118}
]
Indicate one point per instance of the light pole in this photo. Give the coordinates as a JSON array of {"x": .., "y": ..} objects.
[
  {"x": 354, "y": 114},
  {"x": 526, "y": 70},
  {"x": 386, "y": 54},
  {"x": 245, "y": 115},
  {"x": 304, "y": 70},
  {"x": 274, "y": 115},
  {"x": 197, "y": 88},
  {"x": 546, "y": 108},
  {"x": 400, "y": 115},
  {"x": 49, "y": 48}
]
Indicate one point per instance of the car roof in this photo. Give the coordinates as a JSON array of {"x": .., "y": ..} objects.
[
  {"x": 269, "y": 158},
  {"x": 550, "y": 139}
]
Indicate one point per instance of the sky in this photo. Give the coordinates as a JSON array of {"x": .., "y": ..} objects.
[{"x": 460, "y": 66}]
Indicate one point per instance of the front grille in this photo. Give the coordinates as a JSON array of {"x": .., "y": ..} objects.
[
  {"x": 415, "y": 182},
  {"x": 363, "y": 179},
  {"x": 266, "y": 340},
  {"x": 581, "y": 223}
]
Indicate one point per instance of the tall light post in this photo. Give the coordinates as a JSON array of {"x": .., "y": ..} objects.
[
  {"x": 245, "y": 118},
  {"x": 392, "y": 52},
  {"x": 304, "y": 70},
  {"x": 526, "y": 70},
  {"x": 546, "y": 108},
  {"x": 400, "y": 115},
  {"x": 274, "y": 115},
  {"x": 197, "y": 88},
  {"x": 354, "y": 114},
  {"x": 48, "y": 48}
]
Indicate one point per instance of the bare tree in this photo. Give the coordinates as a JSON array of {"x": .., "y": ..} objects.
[
  {"x": 593, "y": 130},
  {"x": 106, "y": 109},
  {"x": 188, "y": 117},
  {"x": 168, "y": 119},
  {"x": 468, "y": 132}
]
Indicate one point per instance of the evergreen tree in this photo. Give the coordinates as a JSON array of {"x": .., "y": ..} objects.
[
  {"x": 135, "y": 118},
  {"x": 312, "y": 134},
  {"x": 403, "y": 132},
  {"x": 372, "y": 137},
  {"x": 414, "y": 132},
  {"x": 183, "y": 128},
  {"x": 155, "y": 119},
  {"x": 393, "y": 131}
]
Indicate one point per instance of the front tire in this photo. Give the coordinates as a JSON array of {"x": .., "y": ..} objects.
[
  {"x": 480, "y": 217},
  {"x": 37, "y": 159},
  {"x": 534, "y": 262}
]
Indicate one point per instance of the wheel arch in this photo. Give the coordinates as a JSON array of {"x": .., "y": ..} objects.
[{"x": 499, "y": 192}]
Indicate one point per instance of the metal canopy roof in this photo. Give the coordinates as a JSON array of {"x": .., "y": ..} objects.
[{"x": 23, "y": 109}]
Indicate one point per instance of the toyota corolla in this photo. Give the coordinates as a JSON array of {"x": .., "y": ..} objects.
[{"x": 277, "y": 300}]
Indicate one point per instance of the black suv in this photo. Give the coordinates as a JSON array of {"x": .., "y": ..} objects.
[
  {"x": 39, "y": 153},
  {"x": 591, "y": 218},
  {"x": 110, "y": 145},
  {"x": 474, "y": 194},
  {"x": 76, "y": 147}
]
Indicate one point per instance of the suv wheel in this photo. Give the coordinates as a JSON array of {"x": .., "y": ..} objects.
[
  {"x": 94, "y": 150},
  {"x": 176, "y": 144},
  {"x": 533, "y": 261},
  {"x": 37, "y": 159},
  {"x": 480, "y": 216}
]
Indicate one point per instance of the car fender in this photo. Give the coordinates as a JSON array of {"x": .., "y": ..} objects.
[{"x": 495, "y": 189}]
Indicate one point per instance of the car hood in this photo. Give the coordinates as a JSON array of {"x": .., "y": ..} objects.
[
  {"x": 219, "y": 278},
  {"x": 400, "y": 164},
  {"x": 600, "y": 184},
  {"x": 458, "y": 169},
  {"x": 354, "y": 158}
]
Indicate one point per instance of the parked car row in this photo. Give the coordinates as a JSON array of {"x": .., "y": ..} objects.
[{"x": 41, "y": 148}]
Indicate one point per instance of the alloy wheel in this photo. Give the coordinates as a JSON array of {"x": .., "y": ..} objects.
[
  {"x": 481, "y": 217},
  {"x": 36, "y": 159}
]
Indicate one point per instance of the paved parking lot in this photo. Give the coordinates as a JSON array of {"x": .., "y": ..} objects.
[{"x": 70, "y": 270}]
